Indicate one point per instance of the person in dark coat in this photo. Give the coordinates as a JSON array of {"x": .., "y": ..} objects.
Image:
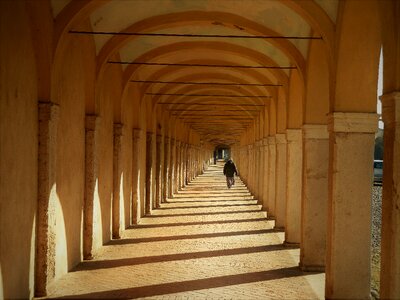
[{"x": 229, "y": 172}]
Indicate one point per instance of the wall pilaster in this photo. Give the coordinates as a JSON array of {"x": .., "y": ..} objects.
[
  {"x": 281, "y": 180},
  {"x": 271, "y": 176},
  {"x": 314, "y": 197},
  {"x": 149, "y": 173},
  {"x": 47, "y": 197},
  {"x": 91, "y": 213},
  {"x": 136, "y": 138},
  {"x": 390, "y": 255},
  {"x": 117, "y": 183},
  {"x": 159, "y": 171},
  {"x": 294, "y": 186},
  {"x": 351, "y": 142}
]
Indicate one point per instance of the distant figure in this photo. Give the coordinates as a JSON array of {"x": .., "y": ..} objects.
[{"x": 229, "y": 171}]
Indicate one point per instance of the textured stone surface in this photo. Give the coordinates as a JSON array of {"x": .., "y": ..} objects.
[{"x": 207, "y": 242}]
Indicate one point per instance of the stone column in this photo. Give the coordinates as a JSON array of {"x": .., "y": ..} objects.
[
  {"x": 260, "y": 165},
  {"x": 159, "y": 172},
  {"x": 314, "y": 197},
  {"x": 136, "y": 137},
  {"x": 390, "y": 255},
  {"x": 351, "y": 141},
  {"x": 90, "y": 225},
  {"x": 177, "y": 166},
  {"x": 266, "y": 174},
  {"x": 257, "y": 168},
  {"x": 182, "y": 173},
  {"x": 171, "y": 168},
  {"x": 117, "y": 184},
  {"x": 250, "y": 167},
  {"x": 271, "y": 176},
  {"x": 149, "y": 173},
  {"x": 294, "y": 186},
  {"x": 47, "y": 198},
  {"x": 167, "y": 159},
  {"x": 280, "y": 203}
]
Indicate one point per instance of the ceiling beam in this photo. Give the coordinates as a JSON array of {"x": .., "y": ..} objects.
[
  {"x": 232, "y": 36},
  {"x": 205, "y": 83},
  {"x": 208, "y": 95},
  {"x": 199, "y": 65},
  {"x": 209, "y": 104}
]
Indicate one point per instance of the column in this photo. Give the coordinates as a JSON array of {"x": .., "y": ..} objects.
[
  {"x": 266, "y": 174},
  {"x": 351, "y": 142},
  {"x": 182, "y": 173},
  {"x": 261, "y": 171},
  {"x": 250, "y": 167},
  {"x": 280, "y": 203},
  {"x": 149, "y": 173},
  {"x": 390, "y": 255},
  {"x": 117, "y": 184},
  {"x": 171, "y": 168},
  {"x": 47, "y": 197},
  {"x": 294, "y": 181},
  {"x": 159, "y": 171},
  {"x": 91, "y": 187},
  {"x": 177, "y": 166},
  {"x": 271, "y": 176},
  {"x": 136, "y": 137},
  {"x": 314, "y": 198},
  {"x": 257, "y": 176},
  {"x": 167, "y": 159}
]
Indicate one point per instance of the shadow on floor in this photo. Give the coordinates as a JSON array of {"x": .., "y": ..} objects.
[
  {"x": 188, "y": 237},
  {"x": 114, "y": 263},
  {"x": 190, "y": 285}
]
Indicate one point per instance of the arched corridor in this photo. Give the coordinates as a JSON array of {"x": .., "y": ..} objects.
[
  {"x": 206, "y": 242},
  {"x": 111, "y": 115}
]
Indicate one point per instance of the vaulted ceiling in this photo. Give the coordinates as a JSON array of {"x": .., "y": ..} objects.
[{"x": 215, "y": 65}]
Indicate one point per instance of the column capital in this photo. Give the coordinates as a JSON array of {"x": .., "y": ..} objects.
[
  {"x": 353, "y": 122},
  {"x": 118, "y": 129},
  {"x": 271, "y": 140},
  {"x": 48, "y": 111},
  {"x": 315, "y": 131},
  {"x": 250, "y": 147},
  {"x": 280, "y": 138},
  {"x": 137, "y": 133},
  {"x": 265, "y": 141},
  {"x": 391, "y": 108},
  {"x": 91, "y": 122},
  {"x": 172, "y": 140},
  {"x": 294, "y": 135},
  {"x": 159, "y": 138},
  {"x": 258, "y": 143},
  {"x": 150, "y": 136}
]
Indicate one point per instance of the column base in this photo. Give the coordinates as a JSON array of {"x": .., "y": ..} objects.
[
  {"x": 291, "y": 245},
  {"x": 311, "y": 268}
]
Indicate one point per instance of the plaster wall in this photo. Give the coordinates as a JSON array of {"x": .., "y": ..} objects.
[
  {"x": 18, "y": 152},
  {"x": 72, "y": 79},
  {"x": 106, "y": 98}
]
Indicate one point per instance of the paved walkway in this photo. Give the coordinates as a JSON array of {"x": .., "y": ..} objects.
[{"x": 207, "y": 242}]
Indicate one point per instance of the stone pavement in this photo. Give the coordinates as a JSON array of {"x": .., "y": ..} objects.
[{"x": 208, "y": 242}]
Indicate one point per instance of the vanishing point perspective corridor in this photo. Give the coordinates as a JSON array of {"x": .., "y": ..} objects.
[
  {"x": 207, "y": 242},
  {"x": 116, "y": 117}
]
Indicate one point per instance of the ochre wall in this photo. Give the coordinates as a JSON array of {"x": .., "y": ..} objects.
[
  {"x": 71, "y": 86},
  {"x": 18, "y": 152}
]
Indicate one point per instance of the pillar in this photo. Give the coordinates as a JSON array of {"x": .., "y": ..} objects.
[
  {"x": 171, "y": 168},
  {"x": 149, "y": 173},
  {"x": 266, "y": 174},
  {"x": 390, "y": 255},
  {"x": 177, "y": 166},
  {"x": 91, "y": 185},
  {"x": 351, "y": 142},
  {"x": 47, "y": 197},
  {"x": 281, "y": 180},
  {"x": 159, "y": 171},
  {"x": 314, "y": 197},
  {"x": 182, "y": 164},
  {"x": 271, "y": 175},
  {"x": 167, "y": 159},
  {"x": 294, "y": 186},
  {"x": 136, "y": 138},
  {"x": 117, "y": 183}
]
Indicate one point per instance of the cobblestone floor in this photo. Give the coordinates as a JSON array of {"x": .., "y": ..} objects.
[{"x": 207, "y": 242}]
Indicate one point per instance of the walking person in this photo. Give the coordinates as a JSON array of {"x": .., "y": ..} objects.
[{"x": 229, "y": 172}]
